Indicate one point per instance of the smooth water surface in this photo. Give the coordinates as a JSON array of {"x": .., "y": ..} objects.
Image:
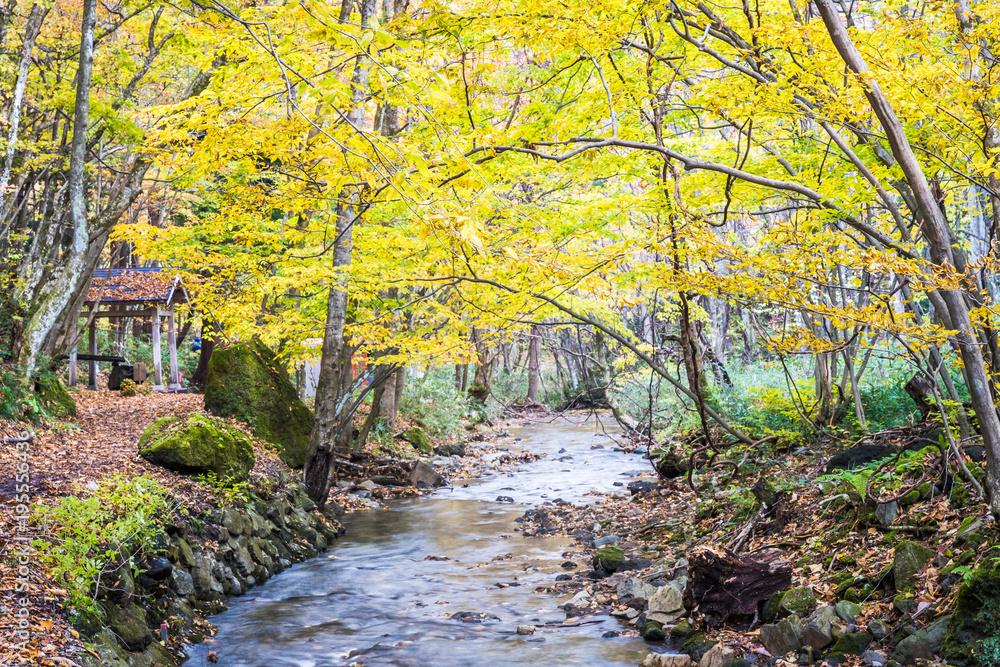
[{"x": 383, "y": 594}]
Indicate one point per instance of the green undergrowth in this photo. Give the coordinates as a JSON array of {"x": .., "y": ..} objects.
[{"x": 84, "y": 534}]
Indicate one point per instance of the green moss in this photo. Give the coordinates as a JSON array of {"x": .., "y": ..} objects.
[
  {"x": 417, "y": 437},
  {"x": 608, "y": 558},
  {"x": 974, "y": 629},
  {"x": 54, "y": 397},
  {"x": 198, "y": 444},
  {"x": 852, "y": 643},
  {"x": 797, "y": 601},
  {"x": 246, "y": 381}
]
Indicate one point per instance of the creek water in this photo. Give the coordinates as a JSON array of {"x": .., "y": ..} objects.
[{"x": 376, "y": 599}]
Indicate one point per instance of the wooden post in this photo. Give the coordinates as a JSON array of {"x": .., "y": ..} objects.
[
  {"x": 92, "y": 373},
  {"x": 174, "y": 380},
  {"x": 72, "y": 366},
  {"x": 157, "y": 364}
]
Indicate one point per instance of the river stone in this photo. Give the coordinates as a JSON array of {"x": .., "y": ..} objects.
[
  {"x": 697, "y": 645},
  {"x": 181, "y": 582},
  {"x": 198, "y": 445},
  {"x": 609, "y": 558},
  {"x": 129, "y": 625},
  {"x": 852, "y": 643},
  {"x": 606, "y": 540},
  {"x": 783, "y": 637},
  {"x": 819, "y": 627},
  {"x": 247, "y": 382},
  {"x": 634, "y": 587},
  {"x": 206, "y": 586},
  {"x": 739, "y": 662},
  {"x": 424, "y": 474},
  {"x": 878, "y": 629},
  {"x": 417, "y": 437},
  {"x": 158, "y": 568},
  {"x": 797, "y": 601},
  {"x": 909, "y": 558},
  {"x": 666, "y": 660},
  {"x": 717, "y": 656},
  {"x": 652, "y": 632},
  {"x": 525, "y": 629},
  {"x": 665, "y": 605},
  {"x": 450, "y": 449},
  {"x": 874, "y": 658}
]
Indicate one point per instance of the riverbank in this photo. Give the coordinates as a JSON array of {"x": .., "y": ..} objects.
[
  {"x": 216, "y": 542},
  {"x": 885, "y": 576}
]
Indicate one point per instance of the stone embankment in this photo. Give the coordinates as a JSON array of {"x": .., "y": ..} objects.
[{"x": 204, "y": 561}]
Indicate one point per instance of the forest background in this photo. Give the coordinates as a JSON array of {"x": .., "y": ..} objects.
[{"x": 755, "y": 222}]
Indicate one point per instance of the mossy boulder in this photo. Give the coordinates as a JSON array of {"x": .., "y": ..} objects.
[
  {"x": 246, "y": 381},
  {"x": 54, "y": 396},
  {"x": 417, "y": 437},
  {"x": 974, "y": 630},
  {"x": 797, "y": 601},
  {"x": 909, "y": 559},
  {"x": 852, "y": 643},
  {"x": 609, "y": 558},
  {"x": 198, "y": 445}
]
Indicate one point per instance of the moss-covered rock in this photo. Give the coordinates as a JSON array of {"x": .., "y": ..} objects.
[
  {"x": 653, "y": 632},
  {"x": 797, "y": 601},
  {"x": 417, "y": 437},
  {"x": 974, "y": 630},
  {"x": 198, "y": 445},
  {"x": 852, "y": 643},
  {"x": 609, "y": 558},
  {"x": 54, "y": 397},
  {"x": 246, "y": 381},
  {"x": 128, "y": 622},
  {"x": 910, "y": 557}
]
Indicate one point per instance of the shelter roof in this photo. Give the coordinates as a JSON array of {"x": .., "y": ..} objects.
[{"x": 137, "y": 285}]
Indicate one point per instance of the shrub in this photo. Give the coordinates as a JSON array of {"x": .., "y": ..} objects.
[
  {"x": 129, "y": 387},
  {"x": 115, "y": 524}
]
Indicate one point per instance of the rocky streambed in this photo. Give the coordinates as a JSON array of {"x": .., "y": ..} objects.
[{"x": 448, "y": 578}]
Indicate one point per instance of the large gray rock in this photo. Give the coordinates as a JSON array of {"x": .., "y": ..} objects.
[
  {"x": 666, "y": 605},
  {"x": 206, "y": 585},
  {"x": 819, "y": 628},
  {"x": 922, "y": 644},
  {"x": 909, "y": 559},
  {"x": 717, "y": 656},
  {"x": 181, "y": 582},
  {"x": 424, "y": 474},
  {"x": 634, "y": 588},
  {"x": 784, "y": 636}
]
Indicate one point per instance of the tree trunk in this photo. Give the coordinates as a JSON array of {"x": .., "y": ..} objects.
[
  {"x": 328, "y": 431},
  {"x": 31, "y": 30},
  {"x": 937, "y": 234},
  {"x": 722, "y": 584},
  {"x": 534, "y": 351},
  {"x": 63, "y": 290}
]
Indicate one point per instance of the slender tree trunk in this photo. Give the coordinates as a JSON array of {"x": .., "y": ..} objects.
[
  {"x": 328, "y": 431},
  {"x": 31, "y": 30},
  {"x": 534, "y": 352},
  {"x": 63, "y": 290},
  {"x": 937, "y": 234},
  {"x": 387, "y": 405}
]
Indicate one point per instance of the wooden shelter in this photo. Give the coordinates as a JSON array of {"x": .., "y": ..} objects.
[{"x": 133, "y": 293}]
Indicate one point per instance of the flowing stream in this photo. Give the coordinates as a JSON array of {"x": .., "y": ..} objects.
[{"x": 376, "y": 599}]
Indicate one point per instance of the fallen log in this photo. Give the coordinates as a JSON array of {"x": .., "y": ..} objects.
[{"x": 722, "y": 584}]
